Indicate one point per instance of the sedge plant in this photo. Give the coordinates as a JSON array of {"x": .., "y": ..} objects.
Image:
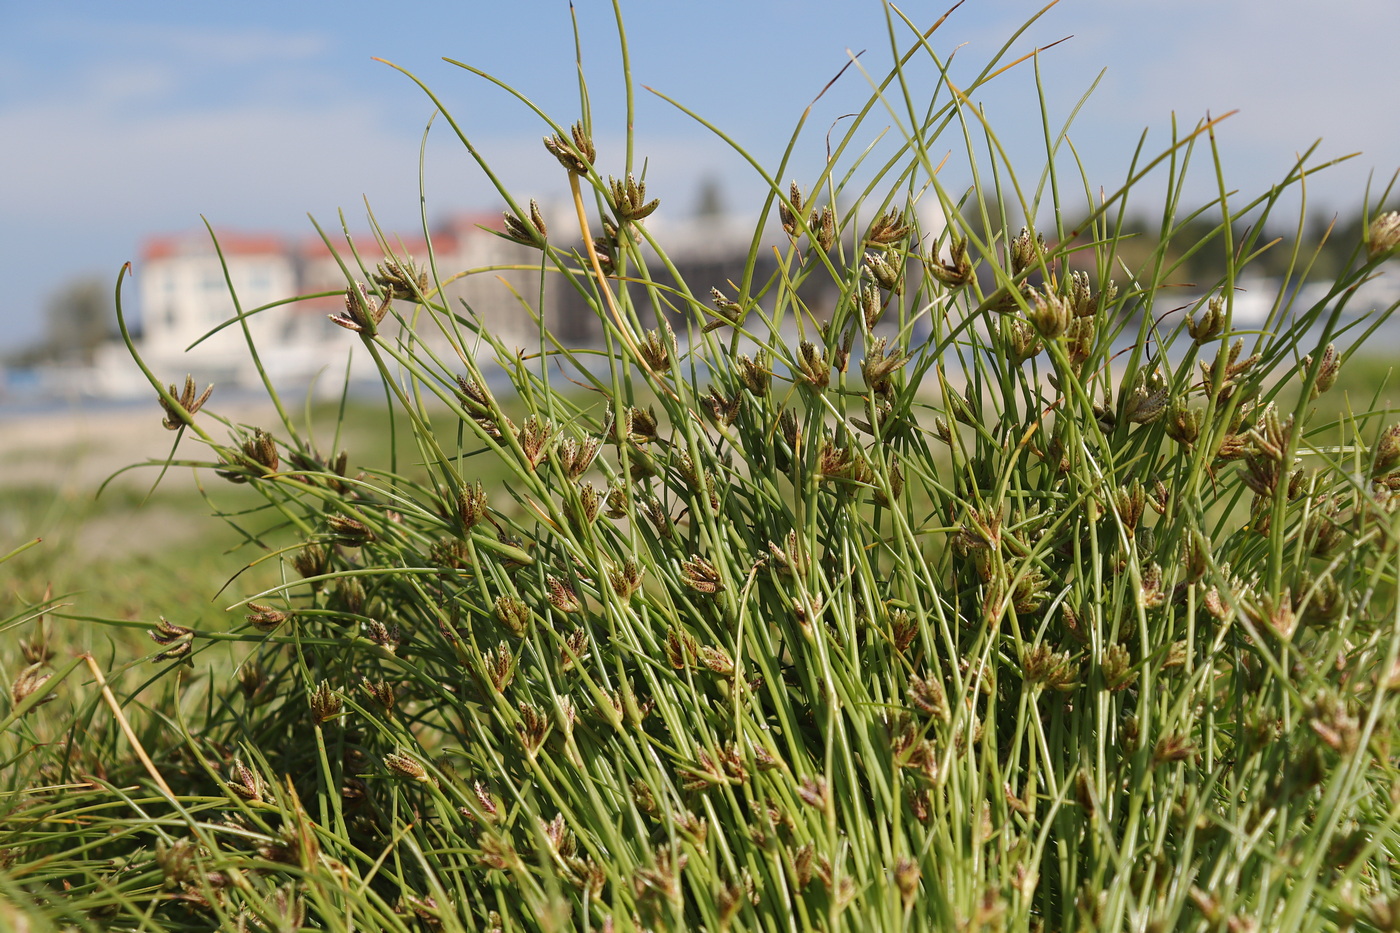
[{"x": 993, "y": 591}]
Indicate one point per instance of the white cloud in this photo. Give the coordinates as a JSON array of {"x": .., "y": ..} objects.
[{"x": 205, "y": 45}]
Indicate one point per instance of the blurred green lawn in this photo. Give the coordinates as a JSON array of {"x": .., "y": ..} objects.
[{"x": 133, "y": 553}]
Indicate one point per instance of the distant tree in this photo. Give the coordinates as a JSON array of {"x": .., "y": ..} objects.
[
  {"x": 78, "y": 318},
  {"x": 709, "y": 204}
]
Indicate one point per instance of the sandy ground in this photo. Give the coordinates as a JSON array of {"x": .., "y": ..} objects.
[
  {"x": 60, "y": 459},
  {"x": 79, "y": 448}
]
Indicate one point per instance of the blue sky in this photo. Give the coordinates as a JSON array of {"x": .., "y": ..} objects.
[{"x": 121, "y": 120}]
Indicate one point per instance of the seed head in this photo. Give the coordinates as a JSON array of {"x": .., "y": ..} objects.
[
  {"x": 573, "y": 650},
  {"x": 512, "y": 612},
  {"x": 532, "y": 233},
  {"x": 1026, "y": 251},
  {"x": 1327, "y": 369},
  {"x": 477, "y": 401},
  {"x": 823, "y": 227},
  {"x": 956, "y": 272},
  {"x": 942, "y": 430},
  {"x": 1129, "y": 501},
  {"x": 1117, "y": 666},
  {"x": 1183, "y": 423},
  {"x": 1383, "y": 236},
  {"x": 1261, "y": 475},
  {"x": 627, "y": 578},
  {"x": 178, "y": 415},
  {"x": 1079, "y": 295},
  {"x": 841, "y": 353},
  {"x": 348, "y": 531},
  {"x": 701, "y": 575},
  {"x": 906, "y": 879},
  {"x": 1227, "y": 367},
  {"x": 561, "y": 596},
  {"x": 407, "y": 766},
  {"x": 788, "y": 215},
  {"x": 363, "y": 311},
  {"x": 814, "y": 791},
  {"x": 717, "y": 660},
  {"x": 388, "y": 637},
  {"x": 1197, "y": 555},
  {"x": 872, "y": 307},
  {"x": 1043, "y": 665},
  {"x": 1020, "y": 341},
  {"x": 730, "y": 312},
  {"x": 534, "y": 437},
  {"x": 641, "y": 425},
  {"x": 264, "y": 618},
  {"x": 903, "y": 630},
  {"x": 1030, "y": 589},
  {"x": 311, "y": 561},
  {"x": 382, "y": 692},
  {"x": 1334, "y": 724},
  {"x": 29, "y": 680},
  {"x": 836, "y": 462},
  {"x": 245, "y": 782},
  {"x": 177, "y": 640},
  {"x": 659, "y": 350},
  {"x": 254, "y": 683},
  {"x": 532, "y": 727},
  {"x": 1151, "y": 589},
  {"x": 576, "y": 456},
  {"x": 1387, "y": 452},
  {"x": 896, "y": 476},
  {"x": 616, "y": 501},
  {"x": 811, "y": 361},
  {"x": 722, "y": 409},
  {"x": 1173, "y": 748},
  {"x": 1147, "y": 399},
  {"x": 877, "y": 368},
  {"x": 887, "y": 229},
  {"x": 576, "y": 155},
  {"x": 498, "y": 665},
  {"x": 1211, "y": 324},
  {"x": 929, "y": 696},
  {"x": 471, "y": 505},
  {"x": 490, "y": 805},
  {"x": 754, "y": 373},
  {"x": 401, "y": 279},
  {"x": 261, "y": 449},
  {"x": 558, "y": 836},
  {"x": 885, "y": 268},
  {"x": 629, "y": 199},
  {"x": 1272, "y": 436},
  {"x": 681, "y": 648},
  {"x": 325, "y": 703},
  {"x": 1049, "y": 314}
]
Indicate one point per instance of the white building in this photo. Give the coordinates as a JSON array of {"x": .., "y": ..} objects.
[
  {"x": 187, "y": 292},
  {"x": 189, "y": 321}
]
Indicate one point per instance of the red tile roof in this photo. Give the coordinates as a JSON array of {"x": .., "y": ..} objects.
[
  {"x": 447, "y": 238},
  {"x": 232, "y": 243}
]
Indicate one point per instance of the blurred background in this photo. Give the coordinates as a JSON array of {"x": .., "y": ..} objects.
[{"x": 126, "y": 121}]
